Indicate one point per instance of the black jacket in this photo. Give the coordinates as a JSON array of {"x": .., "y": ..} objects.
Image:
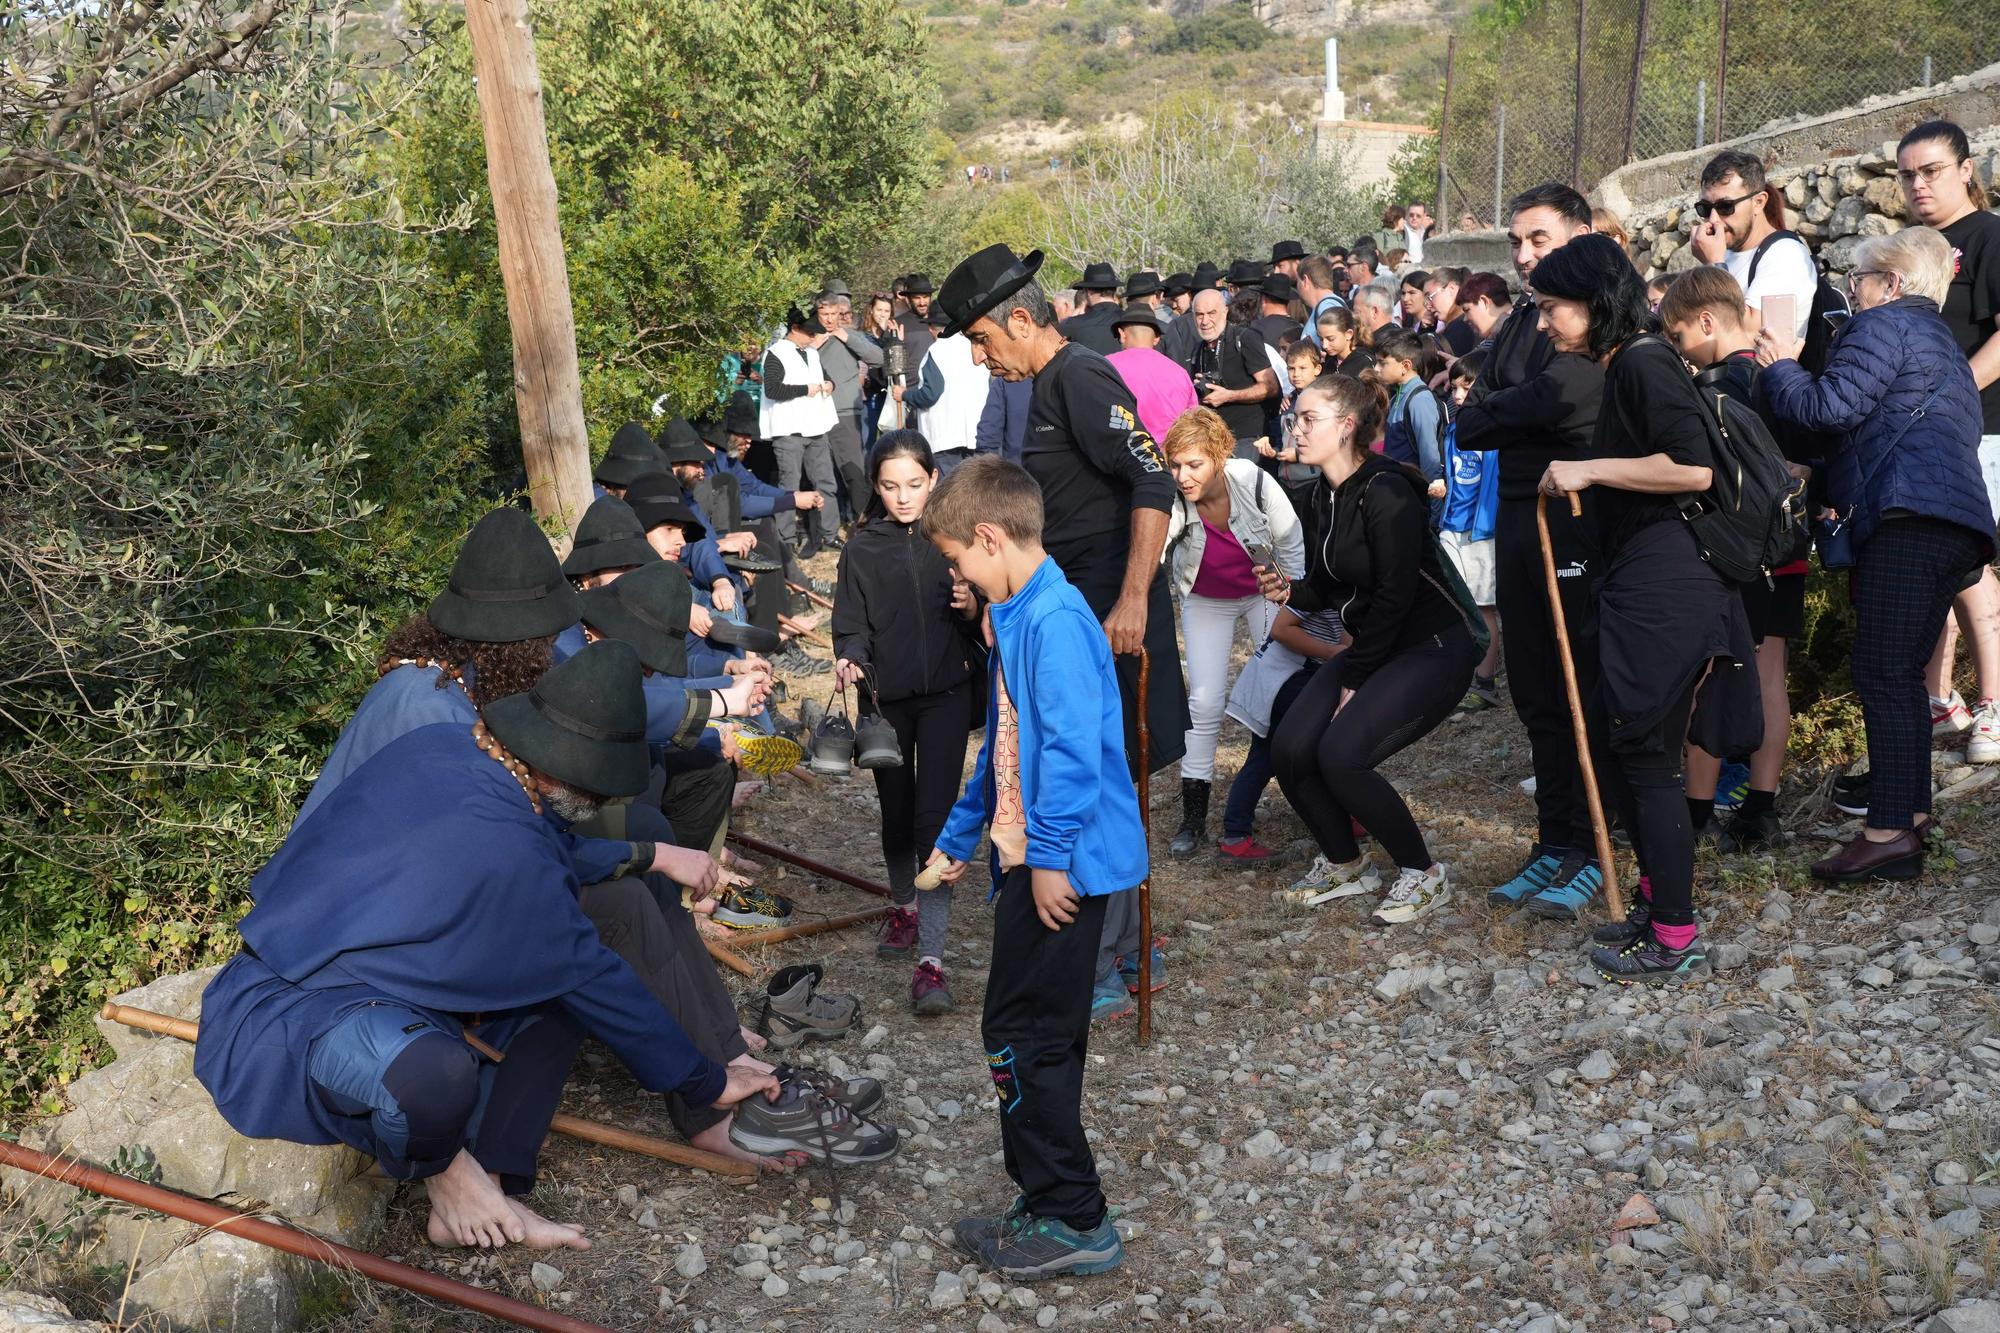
[
  {"x": 1532, "y": 403},
  {"x": 1374, "y": 560},
  {"x": 1093, "y": 329},
  {"x": 892, "y": 612}
]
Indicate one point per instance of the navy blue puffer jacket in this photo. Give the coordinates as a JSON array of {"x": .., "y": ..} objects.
[{"x": 1885, "y": 364}]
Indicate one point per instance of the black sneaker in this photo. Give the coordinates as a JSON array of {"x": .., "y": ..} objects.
[
  {"x": 1617, "y": 934},
  {"x": 802, "y": 1120},
  {"x": 1850, "y": 794},
  {"x": 1647, "y": 960},
  {"x": 798, "y": 662},
  {"x": 969, "y": 1233},
  {"x": 1031, "y": 1248},
  {"x": 1760, "y": 832}
]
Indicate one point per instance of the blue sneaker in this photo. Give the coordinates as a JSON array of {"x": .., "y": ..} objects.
[
  {"x": 1533, "y": 876},
  {"x": 1577, "y": 881},
  {"x": 1109, "y": 999},
  {"x": 1732, "y": 786},
  {"x": 1029, "y": 1248},
  {"x": 1128, "y": 968}
]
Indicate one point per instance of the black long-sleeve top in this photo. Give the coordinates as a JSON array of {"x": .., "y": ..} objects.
[
  {"x": 1532, "y": 403},
  {"x": 892, "y": 610}
]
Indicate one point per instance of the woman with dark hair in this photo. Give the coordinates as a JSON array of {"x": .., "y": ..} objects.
[
  {"x": 905, "y": 628},
  {"x": 1672, "y": 640},
  {"x": 878, "y": 321},
  {"x": 1411, "y": 312},
  {"x": 1341, "y": 335},
  {"x": 1416, "y": 637}
]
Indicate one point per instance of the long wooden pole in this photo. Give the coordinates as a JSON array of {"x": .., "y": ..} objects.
[
  {"x": 568, "y": 1125},
  {"x": 779, "y": 934},
  {"x": 66, "y": 1171},
  {"x": 548, "y": 394},
  {"x": 806, "y": 863},
  {"x": 1598, "y": 827}
]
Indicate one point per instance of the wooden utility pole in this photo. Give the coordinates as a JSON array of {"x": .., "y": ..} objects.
[{"x": 548, "y": 393}]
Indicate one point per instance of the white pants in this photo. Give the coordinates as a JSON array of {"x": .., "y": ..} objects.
[{"x": 1208, "y": 632}]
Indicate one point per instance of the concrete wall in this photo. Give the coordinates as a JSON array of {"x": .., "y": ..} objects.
[{"x": 1368, "y": 146}]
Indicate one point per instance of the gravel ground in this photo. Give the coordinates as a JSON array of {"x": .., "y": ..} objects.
[{"x": 1447, "y": 1125}]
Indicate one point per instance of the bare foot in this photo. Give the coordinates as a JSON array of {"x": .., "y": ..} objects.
[
  {"x": 752, "y": 1062},
  {"x": 542, "y": 1234},
  {"x": 753, "y": 1041},
  {"x": 741, "y": 864},
  {"x": 468, "y": 1209},
  {"x": 715, "y": 1139},
  {"x": 744, "y": 791}
]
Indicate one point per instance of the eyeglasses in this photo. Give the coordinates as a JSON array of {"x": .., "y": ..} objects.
[
  {"x": 1854, "y": 278},
  {"x": 1928, "y": 172},
  {"x": 1293, "y": 420},
  {"x": 1726, "y": 207}
]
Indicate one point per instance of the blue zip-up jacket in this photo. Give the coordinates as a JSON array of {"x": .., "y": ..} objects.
[
  {"x": 1083, "y": 814},
  {"x": 1883, "y": 366},
  {"x": 676, "y": 707},
  {"x": 760, "y": 498}
]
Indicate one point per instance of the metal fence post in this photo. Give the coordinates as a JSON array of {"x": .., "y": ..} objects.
[
  {"x": 1701, "y": 113},
  {"x": 1576, "y": 128},
  {"x": 1444, "y": 120},
  {"x": 1632, "y": 91},
  {"x": 1927, "y": 72},
  {"x": 1722, "y": 75},
  {"x": 1499, "y": 161}
]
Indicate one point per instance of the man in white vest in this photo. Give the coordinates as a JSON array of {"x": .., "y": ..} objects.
[
  {"x": 797, "y": 414},
  {"x": 949, "y": 397}
]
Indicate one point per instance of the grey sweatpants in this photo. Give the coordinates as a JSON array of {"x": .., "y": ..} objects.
[{"x": 807, "y": 457}]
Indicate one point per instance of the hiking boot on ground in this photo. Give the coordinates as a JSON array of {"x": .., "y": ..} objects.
[
  {"x": 746, "y": 907},
  {"x": 1577, "y": 881},
  {"x": 898, "y": 934},
  {"x": 1533, "y": 876},
  {"x": 1415, "y": 894},
  {"x": 969, "y": 1233},
  {"x": 1030, "y": 1248},
  {"x": 794, "y": 1011},
  {"x": 796, "y": 661},
  {"x": 1760, "y": 832},
  {"x": 1324, "y": 881},
  {"x": 1647, "y": 960},
  {"x": 1193, "y": 831},
  {"x": 1638, "y": 921},
  {"x": 929, "y": 996},
  {"x": 856, "y": 1092},
  {"x": 1110, "y": 1000},
  {"x": 803, "y": 1120}
]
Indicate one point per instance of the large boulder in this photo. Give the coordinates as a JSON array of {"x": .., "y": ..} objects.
[{"x": 24, "y": 1312}]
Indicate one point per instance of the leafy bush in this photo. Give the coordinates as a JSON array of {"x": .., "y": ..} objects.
[{"x": 1231, "y": 28}]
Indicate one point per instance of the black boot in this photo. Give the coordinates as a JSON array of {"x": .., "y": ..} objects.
[{"x": 1194, "y": 818}]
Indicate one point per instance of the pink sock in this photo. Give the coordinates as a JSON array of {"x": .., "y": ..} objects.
[
  {"x": 1646, "y": 887},
  {"x": 1676, "y": 938}
]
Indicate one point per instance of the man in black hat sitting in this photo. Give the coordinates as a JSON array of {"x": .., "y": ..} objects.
[
  {"x": 632, "y": 455},
  {"x": 1098, "y": 288},
  {"x": 1285, "y": 257},
  {"x": 429, "y": 900},
  {"x": 1106, "y": 494}
]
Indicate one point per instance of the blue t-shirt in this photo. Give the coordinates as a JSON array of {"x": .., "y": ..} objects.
[{"x": 1472, "y": 488}]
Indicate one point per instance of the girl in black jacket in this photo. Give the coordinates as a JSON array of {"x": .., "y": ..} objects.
[
  {"x": 904, "y": 627},
  {"x": 1371, "y": 557}
]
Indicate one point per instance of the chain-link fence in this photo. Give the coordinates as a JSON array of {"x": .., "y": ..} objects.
[{"x": 1572, "y": 89}]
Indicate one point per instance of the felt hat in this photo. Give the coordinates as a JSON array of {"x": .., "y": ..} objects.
[
  {"x": 584, "y": 722},
  {"x": 658, "y": 500},
  {"x": 1097, "y": 278},
  {"x": 982, "y": 281},
  {"x": 1138, "y": 316},
  {"x": 679, "y": 444},
  {"x": 1274, "y": 287},
  {"x": 740, "y": 417},
  {"x": 630, "y": 457},
  {"x": 1284, "y": 250},
  {"x": 715, "y": 434},
  {"x": 608, "y": 537},
  {"x": 505, "y": 585},
  {"x": 917, "y": 284},
  {"x": 1245, "y": 273},
  {"x": 1177, "y": 283},
  {"x": 934, "y": 318},
  {"x": 836, "y": 287},
  {"x": 1143, "y": 283},
  {"x": 1206, "y": 275},
  {"x": 648, "y": 609}
]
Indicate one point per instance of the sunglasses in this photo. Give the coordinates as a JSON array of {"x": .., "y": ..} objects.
[{"x": 1726, "y": 207}]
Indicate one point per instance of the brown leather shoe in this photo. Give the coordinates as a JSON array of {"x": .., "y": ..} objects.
[{"x": 1902, "y": 857}]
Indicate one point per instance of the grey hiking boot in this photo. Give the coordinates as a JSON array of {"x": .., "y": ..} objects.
[
  {"x": 857, "y": 1092},
  {"x": 794, "y": 1011},
  {"x": 801, "y": 1120},
  {"x": 969, "y": 1233},
  {"x": 1030, "y": 1248}
]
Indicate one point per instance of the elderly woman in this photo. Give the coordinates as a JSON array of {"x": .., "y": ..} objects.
[
  {"x": 1906, "y": 478},
  {"x": 1230, "y": 519}
]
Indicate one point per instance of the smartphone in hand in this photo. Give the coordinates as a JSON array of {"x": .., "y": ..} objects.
[
  {"x": 1261, "y": 555},
  {"x": 1781, "y": 312}
]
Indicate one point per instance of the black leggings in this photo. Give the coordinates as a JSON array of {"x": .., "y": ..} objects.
[
  {"x": 932, "y": 731},
  {"x": 1643, "y": 780},
  {"x": 1326, "y": 764}
]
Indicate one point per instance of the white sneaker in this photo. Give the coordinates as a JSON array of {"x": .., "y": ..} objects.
[
  {"x": 1984, "y": 747},
  {"x": 1950, "y": 716},
  {"x": 1326, "y": 881},
  {"x": 1416, "y": 893}
]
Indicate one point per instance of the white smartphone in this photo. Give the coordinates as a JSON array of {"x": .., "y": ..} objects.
[{"x": 1781, "y": 313}]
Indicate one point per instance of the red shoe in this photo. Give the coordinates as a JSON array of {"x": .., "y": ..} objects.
[
  {"x": 1245, "y": 848},
  {"x": 1360, "y": 833},
  {"x": 928, "y": 993},
  {"x": 899, "y": 933}
]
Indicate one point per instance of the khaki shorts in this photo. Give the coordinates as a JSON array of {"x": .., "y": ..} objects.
[{"x": 1475, "y": 563}]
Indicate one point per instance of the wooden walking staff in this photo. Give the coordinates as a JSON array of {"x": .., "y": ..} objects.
[
  {"x": 1598, "y": 827},
  {"x": 1145, "y": 831},
  {"x": 570, "y": 1126}
]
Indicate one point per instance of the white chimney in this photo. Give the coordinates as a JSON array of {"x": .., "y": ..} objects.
[{"x": 1336, "y": 100}]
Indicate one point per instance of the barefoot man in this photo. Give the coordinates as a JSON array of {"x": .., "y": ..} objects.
[{"x": 428, "y": 902}]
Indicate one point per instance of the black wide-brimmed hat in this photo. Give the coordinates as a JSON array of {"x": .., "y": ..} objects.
[
  {"x": 1097, "y": 278},
  {"x": 1245, "y": 273},
  {"x": 678, "y": 443},
  {"x": 982, "y": 281},
  {"x": 609, "y": 537},
  {"x": 836, "y": 287},
  {"x": 1206, "y": 275},
  {"x": 1284, "y": 250},
  {"x": 584, "y": 722},
  {"x": 1138, "y": 316},
  {"x": 1274, "y": 287},
  {"x": 740, "y": 416},
  {"x": 630, "y": 457},
  {"x": 917, "y": 284},
  {"x": 1143, "y": 283},
  {"x": 505, "y": 585},
  {"x": 648, "y": 609},
  {"x": 714, "y": 434},
  {"x": 659, "y": 500},
  {"x": 1176, "y": 283}
]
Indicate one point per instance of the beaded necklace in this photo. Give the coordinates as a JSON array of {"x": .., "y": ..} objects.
[{"x": 486, "y": 741}]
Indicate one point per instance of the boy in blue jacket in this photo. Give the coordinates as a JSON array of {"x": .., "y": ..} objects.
[{"x": 1053, "y": 787}]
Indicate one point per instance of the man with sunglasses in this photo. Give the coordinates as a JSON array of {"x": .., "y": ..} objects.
[{"x": 1741, "y": 228}]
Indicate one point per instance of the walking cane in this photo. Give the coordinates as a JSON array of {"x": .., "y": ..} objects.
[
  {"x": 1146, "y": 884},
  {"x": 1598, "y": 827}
]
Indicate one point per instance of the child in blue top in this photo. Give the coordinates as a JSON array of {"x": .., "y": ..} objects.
[
  {"x": 1052, "y": 785},
  {"x": 1470, "y": 489}
]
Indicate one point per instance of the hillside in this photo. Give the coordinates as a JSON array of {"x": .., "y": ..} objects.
[{"x": 1018, "y": 81}]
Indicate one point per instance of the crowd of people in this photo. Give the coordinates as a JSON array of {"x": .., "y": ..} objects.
[{"x": 1348, "y": 456}]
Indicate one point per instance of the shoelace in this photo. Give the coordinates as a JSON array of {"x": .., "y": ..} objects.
[{"x": 1405, "y": 888}]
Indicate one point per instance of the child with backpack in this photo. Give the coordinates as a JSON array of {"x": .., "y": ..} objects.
[
  {"x": 906, "y": 630},
  {"x": 1707, "y": 318},
  {"x": 1413, "y": 432},
  {"x": 1470, "y": 491}
]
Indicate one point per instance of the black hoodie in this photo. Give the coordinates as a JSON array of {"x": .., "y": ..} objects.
[
  {"x": 1376, "y": 563},
  {"x": 892, "y": 611}
]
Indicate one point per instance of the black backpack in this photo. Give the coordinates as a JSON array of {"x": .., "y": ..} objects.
[
  {"x": 1827, "y": 300},
  {"x": 1746, "y": 523}
]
